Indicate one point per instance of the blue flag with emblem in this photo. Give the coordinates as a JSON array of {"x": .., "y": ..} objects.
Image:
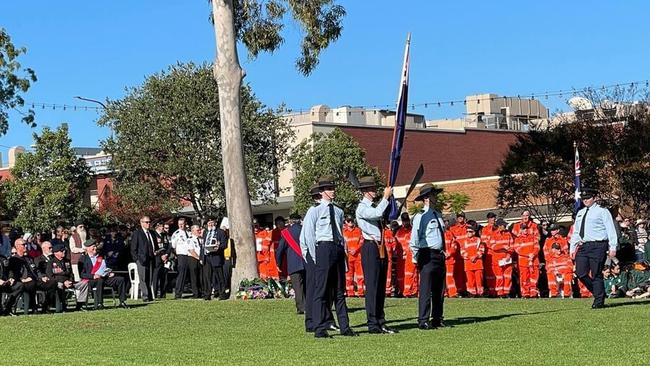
[{"x": 398, "y": 131}]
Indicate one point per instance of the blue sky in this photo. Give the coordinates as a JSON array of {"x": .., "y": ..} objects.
[{"x": 97, "y": 49}]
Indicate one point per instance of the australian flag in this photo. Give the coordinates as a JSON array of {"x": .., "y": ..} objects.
[
  {"x": 578, "y": 200},
  {"x": 398, "y": 132}
]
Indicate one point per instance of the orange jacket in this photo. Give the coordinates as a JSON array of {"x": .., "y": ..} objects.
[
  {"x": 389, "y": 241},
  {"x": 486, "y": 233},
  {"x": 472, "y": 249},
  {"x": 263, "y": 245},
  {"x": 564, "y": 245},
  {"x": 403, "y": 237},
  {"x": 526, "y": 240},
  {"x": 500, "y": 245},
  {"x": 451, "y": 247},
  {"x": 559, "y": 263},
  {"x": 353, "y": 240},
  {"x": 459, "y": 231}
]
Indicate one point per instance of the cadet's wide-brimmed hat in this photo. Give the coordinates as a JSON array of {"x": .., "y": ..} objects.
[
  {"x": 427, "y": 190},
  {"x": 326, "y": 181},
  {"x": 588, "y": 193},
  {"x": 314, "y": 190},
  {"x": 367, "y": 182}
]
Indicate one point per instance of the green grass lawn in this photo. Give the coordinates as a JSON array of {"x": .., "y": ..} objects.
[{"x": 192, "y": 332}]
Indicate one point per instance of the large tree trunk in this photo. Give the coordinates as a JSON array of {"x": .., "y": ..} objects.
[{"x": 229, "y": 75}]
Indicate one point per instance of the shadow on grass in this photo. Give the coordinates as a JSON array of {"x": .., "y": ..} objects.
[
  {"x": 468, "y": 319},
  {"x": 628, "y": 303}
]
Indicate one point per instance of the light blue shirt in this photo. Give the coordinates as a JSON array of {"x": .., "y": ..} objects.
[
  {"x": 368, "y": 218},
  {"x": 426, "y": 231},
  {"x": 316, "y": 227},
  {"x": 599, "y": 226}
]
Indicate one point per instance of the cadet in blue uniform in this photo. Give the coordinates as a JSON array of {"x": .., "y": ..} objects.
[
  {"x": 593, "y": 236},
  {"x": 374, "y": 260},
  {"x": 322, "y": 240},
  {"x": 427, "y": 245},
  {"x": 290, "y": 249}
]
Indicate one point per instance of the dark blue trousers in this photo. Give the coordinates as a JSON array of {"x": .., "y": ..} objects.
[
  {"x": 329, "y": 275},
  {"x": 431, "y": 264},
  {"x": 374, "y": 276},
  {"x": 591, "y": 257}
]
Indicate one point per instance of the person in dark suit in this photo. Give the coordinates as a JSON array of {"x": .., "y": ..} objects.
[
  {"x": 9, "y": 286},
  {"x": 215, "y": 242},
  {"x": 93, "y": 270},
  {"x": 143, "y": 249},
  {"x": 160, "y": 269},
  {"x": 23, "y": 269},
  {"x": 289, "y": 248}
]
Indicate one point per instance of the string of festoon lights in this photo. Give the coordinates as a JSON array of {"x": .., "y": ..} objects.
[{"x": 430, "y": 104}]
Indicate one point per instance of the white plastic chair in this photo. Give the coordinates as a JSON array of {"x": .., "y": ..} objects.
[{"x": 135, "y": 280}]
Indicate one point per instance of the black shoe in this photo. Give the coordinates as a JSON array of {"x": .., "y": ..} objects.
[
  {"x": 375, "y": 331},
  {"x": 334, "y": 328},
  {"x": 424, "y": 326},
  {"x": 99, "y": 307},
  {"x": 123, "y": 305},
  {"x": 439, "y": 324},
  {"x": 598, "y": 306},
  {"x": 309, "y": 330},
  {"x": 207, "y": 299},
  {"x": 349, "y": 333},
  {"x": 300, "y": 312},
  {"x": 388, "y": 330},
  {"x": 321, "y": 335}
]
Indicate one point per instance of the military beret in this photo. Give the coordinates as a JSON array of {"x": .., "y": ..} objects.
[
  {"x": 58, "y": 248},
  {"x": 90, "y": 242}
]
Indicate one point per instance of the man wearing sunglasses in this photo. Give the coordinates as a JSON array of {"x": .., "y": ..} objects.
[{"x": 143, "y": 249}]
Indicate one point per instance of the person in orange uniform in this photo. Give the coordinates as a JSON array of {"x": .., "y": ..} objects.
[
  {"x": 407, "y": 271},
  {"x": 262, "y": 248},
  {"x": 353, "y": 241},
  {"x": 391, "y": 246},
  {"x": 459, "y": 231},
  {"x": 526, "y": 234},
  {"x": 451, "y": 254},
  {"x": 273, "y": 272},
  {"x": 584, "y": 292},
  {"x": 499, "y": 257},
  {"x": 472, "y": 250},
  {"x": 486, "y": 233},
  {"x": 559, "y": 268}
]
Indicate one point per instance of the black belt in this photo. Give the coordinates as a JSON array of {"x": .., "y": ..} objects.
[
  {"x": 439, "y": 251},
  {"x": 325, "y": 242},
  {"x": 596, "y": 241}
]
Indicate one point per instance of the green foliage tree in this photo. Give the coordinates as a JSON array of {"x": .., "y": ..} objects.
[
  {"x": 14, "y": 80},
  {"x": 451, "y": 202},
  {"x": 49, "y": 184},
  {"x": 166, "y": 143},
  {"x": 538, "y": 171},
  {"x": 335, "y": 153},
  {"x": 258, "y": 25}
]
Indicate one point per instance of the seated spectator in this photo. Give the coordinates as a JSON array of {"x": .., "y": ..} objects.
[
  {"x": 9, "y": 286},
  {"x": 60, "y": 271},
  {"x": 22, "y": 269},
  {"x": 94, "y": 270}
]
